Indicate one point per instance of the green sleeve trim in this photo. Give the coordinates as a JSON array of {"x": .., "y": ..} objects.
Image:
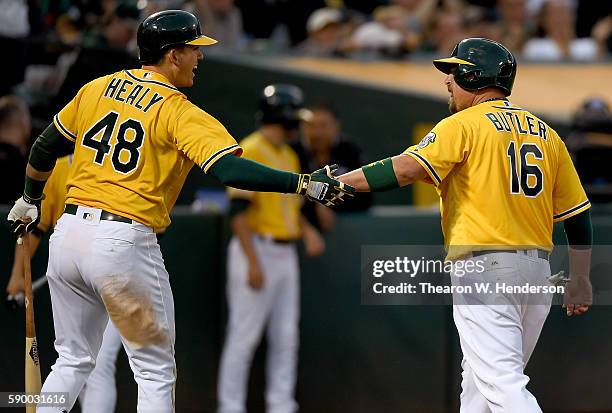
[
  {"x": 49, "y": 146},
  {"x": 380, "y": 175},
  {"x": 579, "y": 230},
  {"x": 243, "y": 173}
]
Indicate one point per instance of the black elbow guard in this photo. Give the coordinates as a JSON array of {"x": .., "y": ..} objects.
[
  {"x": 49, "y": 146},
  {"x": 579, "y": 230}
]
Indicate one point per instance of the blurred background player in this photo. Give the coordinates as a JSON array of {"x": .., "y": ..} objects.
[
  {"x": 14, "y": 144},
  {"x": 263, "y": 268},
  {"x": 321, "y": 143},
  {"x": 100, "y": 393}
]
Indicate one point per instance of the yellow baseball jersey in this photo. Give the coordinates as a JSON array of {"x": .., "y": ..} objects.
[
  {"x": 136, "y": 138},
  {"x": 52, "y": 206},
  {"x": 503, "y": 176},
  {"x": 270, "y": 213}
]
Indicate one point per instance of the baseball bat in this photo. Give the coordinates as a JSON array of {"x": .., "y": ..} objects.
[
  {"x": 32, "y": 363},
  {"x": 17, "y": 300}
]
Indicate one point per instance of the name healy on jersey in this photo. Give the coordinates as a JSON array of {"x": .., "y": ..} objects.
[
  {"x": 123, "y": 90},
  {"x": 506, "y": 121}
]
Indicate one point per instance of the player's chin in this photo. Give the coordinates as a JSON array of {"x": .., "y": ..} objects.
[{"x": 187, "y": 81}]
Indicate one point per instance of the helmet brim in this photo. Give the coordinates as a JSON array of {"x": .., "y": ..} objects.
[
  {"x": 202, "y": 41},
  {"x": 446, "y": 65}
]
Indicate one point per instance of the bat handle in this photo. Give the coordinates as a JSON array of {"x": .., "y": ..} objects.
[
  {"x": 27, "y": 284},
  {"x": 19, "y": 299}
]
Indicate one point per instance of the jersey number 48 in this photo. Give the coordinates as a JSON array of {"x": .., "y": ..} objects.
[{"x": 125, "y": 152}]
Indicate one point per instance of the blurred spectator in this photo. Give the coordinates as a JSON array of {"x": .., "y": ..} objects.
[
  {"x": 325, "y": 33},
  {"x": 588, "y": 13},
  {"x": 153, "y": 6},
  {"x": 283, "y": 21},
  {"x": 447, "y": 29},
  {"x": 515, "y": 25},
  {"x": 387, "y": 34},
  {"x": 558, "y": 41},
  {"x": 322, "y": 144},
  {"x": 482, "y": 22},
  {"x": 602, "y": 34},
  {"x": 417, "y": 12},
  {"x": 15, "y": 132},
  {"x": 221, "y": 20},
  {"x": 14, "y": 28},
  {"x": 103, "y": 52},
  {"x": 363, "y": 6},
  {"x": 590, "y": 143}
]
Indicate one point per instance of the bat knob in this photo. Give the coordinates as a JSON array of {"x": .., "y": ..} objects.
[{"x": 13, "y": 302}]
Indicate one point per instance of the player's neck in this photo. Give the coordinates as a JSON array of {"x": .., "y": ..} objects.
[
  {"x": 487, "y": 95},
  {"x": 162, "y": 70}
]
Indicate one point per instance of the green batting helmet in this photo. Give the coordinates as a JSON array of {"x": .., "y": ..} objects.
[
  {"x": 480, "y": 63},
  {"x": 167, "y": 29},
  {"x": 281, "y": 104}
]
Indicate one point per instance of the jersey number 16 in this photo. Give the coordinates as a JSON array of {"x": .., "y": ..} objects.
[
  {"x": 525, "y": 169},
  {"x": 130, "y": 148}
]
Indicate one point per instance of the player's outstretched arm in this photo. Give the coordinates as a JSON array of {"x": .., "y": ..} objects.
[
  {"x": 241, "y": 173},
  {"x": 386, "y": 174}
]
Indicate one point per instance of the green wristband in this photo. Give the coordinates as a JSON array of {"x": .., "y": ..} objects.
[
  {"x": 33, "y": 189},
  {"x": 380, "y": 175}
]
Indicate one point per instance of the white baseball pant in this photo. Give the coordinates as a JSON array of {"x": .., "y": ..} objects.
[
  {"x": 498, "y": 340},
  {"x": 99, "y": 394},
  {"x": 277, "y": 304},
  {"x": 99, "y": 268}
]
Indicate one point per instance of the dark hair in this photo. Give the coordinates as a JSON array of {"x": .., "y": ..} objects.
[
  {"x": 324, "y": 106},
  {"x": 10, "y": 107}
]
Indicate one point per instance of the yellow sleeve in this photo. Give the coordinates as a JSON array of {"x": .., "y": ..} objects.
[
  {"x": 569, "y": 197},
  {"x": 55, "y": 195},
  {"x": 441, "y": 149},
  {"x": 202, "y": 138},
  {"x": 66, "y": 120},
  {"x": 48, "y": 208}
]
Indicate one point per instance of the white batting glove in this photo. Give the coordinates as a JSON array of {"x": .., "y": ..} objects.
[
  {"x": 558, "y": 279},
  {"x": 24, "y": 215}
]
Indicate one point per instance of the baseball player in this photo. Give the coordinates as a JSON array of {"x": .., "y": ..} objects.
[
  {"x": 503, "y": 176},
  {"x": 263, "y": 268},
  {"x": 135, "y": 137},
  {"x": 99, "y": 393}
]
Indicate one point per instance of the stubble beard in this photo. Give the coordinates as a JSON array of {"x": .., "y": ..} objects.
[{"x": 452, "y": 106}]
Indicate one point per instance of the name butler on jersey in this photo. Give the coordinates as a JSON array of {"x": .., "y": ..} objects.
[{"x": 508, "y": 163}]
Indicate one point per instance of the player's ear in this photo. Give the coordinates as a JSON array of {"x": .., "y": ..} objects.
[{"x": 174, "y": 57}]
